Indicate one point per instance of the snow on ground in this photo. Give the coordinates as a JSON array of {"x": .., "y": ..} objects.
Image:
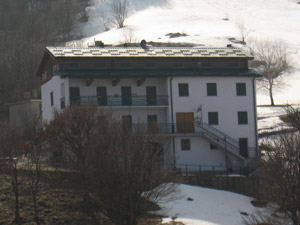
[
  {"x": 269, "y": 119},
  {"x": 209, "y": 207}
]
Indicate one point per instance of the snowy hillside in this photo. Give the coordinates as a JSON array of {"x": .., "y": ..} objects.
[{"x": 209, "y": 23}]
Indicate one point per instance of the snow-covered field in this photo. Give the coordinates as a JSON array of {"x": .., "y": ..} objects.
[{"x": 208, "y": 207}]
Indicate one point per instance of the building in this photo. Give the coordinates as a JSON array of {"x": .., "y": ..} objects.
[
  {"x": 203, "y": 98},
  {"x": 25, "y": 112}
]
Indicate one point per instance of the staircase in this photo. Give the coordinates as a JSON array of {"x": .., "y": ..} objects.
[
  {"x": 218, "y": 138},
  {"x": 211, "y": 134}
]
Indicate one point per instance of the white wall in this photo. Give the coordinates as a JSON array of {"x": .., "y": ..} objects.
[
  {"x": 226, "y": 103},
  {"x": 53, "y": 85}
]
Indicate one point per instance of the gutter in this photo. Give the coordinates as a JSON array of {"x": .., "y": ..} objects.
[
  {"x": 172, "y": 120},
  {"x": 255, "y": 114}
]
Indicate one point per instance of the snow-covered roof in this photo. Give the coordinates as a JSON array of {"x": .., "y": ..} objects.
[{"x": 228, "y": 52}]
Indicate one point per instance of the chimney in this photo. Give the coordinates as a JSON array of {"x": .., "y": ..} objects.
[
  {"x": 99, "y": 44},
  {"x": 143, "y": 44}
]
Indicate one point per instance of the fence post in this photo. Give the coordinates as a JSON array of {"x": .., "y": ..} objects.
[
  {"x": 186, "y": 169},
  {"x": 199, "y": 169},
  {"x": 214, "y": 170}
]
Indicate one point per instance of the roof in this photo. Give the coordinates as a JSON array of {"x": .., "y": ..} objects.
[
  {"x": 156, "y": 73},
  {"x": 98, "y": 52}
]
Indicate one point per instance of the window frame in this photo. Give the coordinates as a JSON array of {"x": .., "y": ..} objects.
[
  {"x": 242, "y": 117},
  {"x": 210, "y": 118},
  {"x": 183, "y": 90},
  {"x": 185, "y": 144},
  {"x": 241, "y": 90},
  {"x": 210, "y": 91}
]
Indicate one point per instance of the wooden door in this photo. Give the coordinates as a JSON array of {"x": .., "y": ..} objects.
[{"x": 185, "y": 122}]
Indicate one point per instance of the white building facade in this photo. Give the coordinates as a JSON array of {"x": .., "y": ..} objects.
[{"x": 202, "y": 98}]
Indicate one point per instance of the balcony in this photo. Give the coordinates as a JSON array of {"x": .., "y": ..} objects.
[{"x": 114, "y": 101}]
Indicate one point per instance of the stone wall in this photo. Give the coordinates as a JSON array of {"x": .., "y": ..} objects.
[{"x": 244, "y": 185}]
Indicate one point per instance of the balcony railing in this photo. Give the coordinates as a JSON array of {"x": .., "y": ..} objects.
[{"x": 140, "y": 100}]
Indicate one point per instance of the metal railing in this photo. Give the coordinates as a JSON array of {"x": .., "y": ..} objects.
[
  {"x": 210, "y": 170},
  {"x": 139, "y": 100},
  {"x": 214, "y": 135}
]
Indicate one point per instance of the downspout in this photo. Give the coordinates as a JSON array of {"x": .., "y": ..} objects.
[
  {"x": 255, "y": 114},
  {"x": 172, "y": 121}
]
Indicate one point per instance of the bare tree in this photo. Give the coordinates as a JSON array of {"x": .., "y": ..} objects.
[
  {"x": 243, "y": 30},
  {"x": 36, "y": 169},
  {"x": 121, "y": 164},
  {"x": 11, "y": 142},
  {"x": 274, "y": 62},
  {"x": 129, "y": 36},
  {"x": 129, "y": 176},
  {"x": 293, "y": 116},
  {"x": 281, "y": 179},
  {"x": 119, "y": 10}
]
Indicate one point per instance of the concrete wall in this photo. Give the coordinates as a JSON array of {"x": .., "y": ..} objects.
[{"x": 25, "y": 112}]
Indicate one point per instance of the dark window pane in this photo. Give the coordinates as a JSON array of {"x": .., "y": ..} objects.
[
  {"x": 241, "y": 89},
  {"x": 183, "y": 89},
  {"x": 152, "y": 118},
  {"x": 243, "y": 145},
  {"x": 185, "y": 144},
  {"x": 213, "y": 118},
  {"x": 74, "y": 95},
  {"x": 101, "y": 96},
  {"x": 126, "y": 95},
  {"x": 242, "y": 118},
  {"x": 151, "y": 95},
  {"x": 211, "y": 89},
  {"x": 213, "y": 147}
]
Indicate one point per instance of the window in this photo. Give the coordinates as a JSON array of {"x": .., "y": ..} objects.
[
  {"x": 102, "y": 96},
  {"x": 242, "y": 118},
  {"x": 241, "y": 89},
  {"x": 213, "y": 147},
  {"x": 243, "y": 145},
  {"x": 50, "y": 70},
  {"x": 213, "y": 118},
  {"x": 74, "y": 95},
  {"x": 183, "y": 89},
  {"x": 51, "y": 99},
  {"x": 126, "y": 95},
  {"x": 185, "y": 144},
  {"x": 152, "y": 118},
  {"x": 211, "y": 89}
]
